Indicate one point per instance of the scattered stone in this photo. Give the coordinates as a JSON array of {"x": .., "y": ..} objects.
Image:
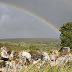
[
  {"x": 65, "y": 50},
  {"x": 35, "y": 62},
  {"x": 35, "y": 55},
  {"x": 53, "y": 63},
  {"x": 27, "y": 55},
  {"x": 4, "y": 52},
  {"x": 45, "y": 59},
  {"x": 55, "y": 52},
  {"x": 70, "y": 57}
]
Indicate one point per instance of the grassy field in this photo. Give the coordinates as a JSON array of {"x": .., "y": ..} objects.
[
  {"x": 39, "y": 45},
  {"x": 47, "y": 68}
]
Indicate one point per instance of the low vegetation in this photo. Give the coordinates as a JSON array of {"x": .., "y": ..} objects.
[
  {"x": 39, "y": 46},
  {"x": 31, "y": 44},
  {"x": 46, "y": 68}
]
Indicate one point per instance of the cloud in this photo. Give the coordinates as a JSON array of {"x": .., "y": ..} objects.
[
  {"x": 4, "y": 8},
  {"x": 4, "y": 16},
  {"x": 14, "y": 23},
  {"x": 68, "y": 3}
]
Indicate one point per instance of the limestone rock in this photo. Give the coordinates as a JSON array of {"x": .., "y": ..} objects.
[
  {"x": 53, "y": 63},
  {"x": 65, "y": 50},
  {"x": 35, "y": 55},
  {"x": 55, "y": 52},
  {"x": 45, "y": 57},
  {"x": 4, "y": 52},
  {"x": 70, "y": 57},
  {"x": 52, "y": 57},
  {"x": 26, "y": 54}
]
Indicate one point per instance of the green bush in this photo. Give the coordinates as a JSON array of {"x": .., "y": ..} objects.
[
  {"x": 66, "y": 35},
  {"x": 33, "y": 47}
]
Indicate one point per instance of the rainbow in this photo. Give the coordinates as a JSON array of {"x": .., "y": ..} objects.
[{"x": 32, "y": 15}]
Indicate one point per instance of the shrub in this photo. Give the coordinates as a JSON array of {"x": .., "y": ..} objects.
[
  {"x": 66, "y": 35},
  {"x": 32, "y": 47}
]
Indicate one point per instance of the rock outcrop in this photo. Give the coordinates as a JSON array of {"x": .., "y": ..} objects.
[{"x": 13, "y": 61}]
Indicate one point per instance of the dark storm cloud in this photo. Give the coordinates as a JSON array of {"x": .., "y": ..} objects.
[
  {"x": 55, "y": 11},
  {"x": 20, "y": 28},
  {"x": 20, "y": 25}
]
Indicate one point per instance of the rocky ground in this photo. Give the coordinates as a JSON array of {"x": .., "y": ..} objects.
[{"x": 14, "y": 61}]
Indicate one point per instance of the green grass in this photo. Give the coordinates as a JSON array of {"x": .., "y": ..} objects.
[
  {"x": 31, "y": 44},
  {"x": 47, "y": 68}
]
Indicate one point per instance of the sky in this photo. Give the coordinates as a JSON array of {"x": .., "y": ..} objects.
[{"x": 17, "y": 24}]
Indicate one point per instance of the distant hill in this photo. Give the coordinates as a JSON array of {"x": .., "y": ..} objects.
[{"x": 29, "y": 39}]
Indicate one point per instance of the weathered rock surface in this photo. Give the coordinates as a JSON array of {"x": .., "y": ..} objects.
[
  {"x": 35, "y": 55},
  {"x": 65, "y": 50}
]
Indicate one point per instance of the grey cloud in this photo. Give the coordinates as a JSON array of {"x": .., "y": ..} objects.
[{"x": 21, "y": 25}]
